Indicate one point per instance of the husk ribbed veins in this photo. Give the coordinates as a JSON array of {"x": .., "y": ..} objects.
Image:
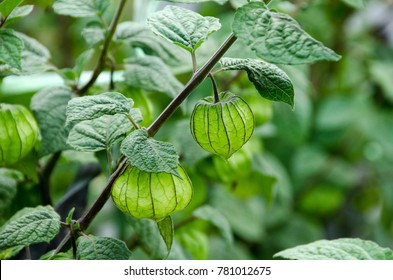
[
  {"x": 224, "y": 127},
  {"x": 151, "y": 195},
  {"x": 18, "y": 133}
]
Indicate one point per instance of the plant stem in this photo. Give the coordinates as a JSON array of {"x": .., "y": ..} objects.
[
  {"x": 215, "y": 90},
  {"x": 198, "y": 78},
  {"x": 44, "y": 178},
  {"x": 101, "y": 61},
  {"x": 134, "y": 124}
]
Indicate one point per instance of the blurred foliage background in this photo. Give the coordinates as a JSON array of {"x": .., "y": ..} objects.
[{"x": 324, "y": 170}]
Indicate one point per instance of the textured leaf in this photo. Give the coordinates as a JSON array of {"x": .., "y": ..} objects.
[
  {"x": 7, "y": 6},
  {"x": 271, "y": 82},
  {"x": 80, "y": 8},
  {"x": 18, "y": 13},
  {"x": 183, "y": 27},
  {"x": 139, "y": 36},
  {"x": 35, "y": 56},
  {"x": 195, "y": 1},
  {"x": 8, "y": 187},
  {"x": 49, "y": 106},
  {"x": 92, "y": 107},
  {"x": 150, "y": 155},
  {"x": 93, "y": 35},
  {"x": 99, "y": 134},
  {"x": 150, "y": 73},
  {"x": 213, "y": 216},
  {"x": 101, "y": 248},
  {"x": 166, "y": 229},
  {"x": 277, "y": 37},
  {"x": 30, "y": 226},
  {"x": 339, "y": 249},
  {"x": 11, "y": 47}
]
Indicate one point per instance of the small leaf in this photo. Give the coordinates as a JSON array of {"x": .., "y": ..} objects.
[
  {"x": 150, "y": 73},
  {"x": 166, "y": 229},
  {"x": 7, "y": 6},
  {"x": 93, "y": 35},
  {"x": 339, "y": 249},
  {"x": 30, "y": 226},
  {"x": 213, "y": 216},
  {"x": 18, "y": 13},
  {"x": 70, "y": 216},
  {"x": 80, "y": 8},
  {"x": 137, "y": 35},
  {"x": 11, "y": 47},
  {"x": 101, "y": 248},
  {"x": 99, "y": 134},
  {"x": 183, "y": 27},
  {"x": 92, "y": 107},
  {"x": 277, "y": 37},
  {"x": 150, "y": 155},
  {"x": 81, "y": 61},
  {"x": 271, "y": 82},
  {"x": 49, "y": 107}
]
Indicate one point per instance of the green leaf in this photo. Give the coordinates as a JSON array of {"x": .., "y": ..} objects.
[
  {"x": 93, "y": 35},
  {"x": 8, "y": 187},
  {"x": 18, "y": 13},
  {"x": 139, "y": 36},
  {"x": 30, "y": 226},
  {"x": 183, "y": 27},
  {"x": 7, "y": 6},
  {"x": 99, "y": 134},
  {"x": 150, "y": 73},
  {"x": 81, "y": 61},
  {"x": 92, "y": 107},
  {"x": 166, "y": 229},
  {"x": 150, "y": 155},
  {"x": 277, "y": 37},
  {"x": 221, "y": 2},
  {"x": 80, "y": 8},
  {"x": 214, "y": 216},
  {"x": 35, "y": 56},
  {"x": 271, "y": 82},
  {"x": 149, "y": 237},
  {"x": 11, "y": 47},
  {"x": 101, "y": 248},
  {"x": 339, "y": 249},
  {"x": 49, "y": 107}
]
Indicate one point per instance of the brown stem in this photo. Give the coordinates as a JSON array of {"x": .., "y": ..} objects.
[
  {"x": 101, "y": 61},
  {"x": 44, "y": 178}
]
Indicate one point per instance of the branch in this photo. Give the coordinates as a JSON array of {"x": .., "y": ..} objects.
[
  {"x": 101, "y": 61},
  {"x": 44, "y": 178},
  {"x": 198, "y": 78}
]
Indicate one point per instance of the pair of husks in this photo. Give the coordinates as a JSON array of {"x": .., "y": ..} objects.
[{"x": 221, "y": 128}]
